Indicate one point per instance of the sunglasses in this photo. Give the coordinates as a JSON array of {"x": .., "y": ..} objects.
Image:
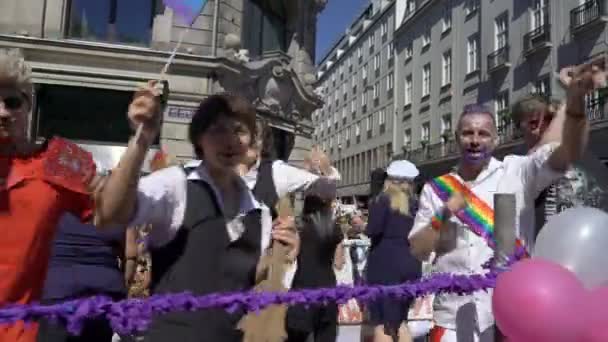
[{"x": 12, "y": 102}]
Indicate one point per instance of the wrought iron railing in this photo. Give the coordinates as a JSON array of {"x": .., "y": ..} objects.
[
  {"x": 537, "y": 37},
  {"x": 585, "y": 13},
  {"x": 498, "y": 58}
]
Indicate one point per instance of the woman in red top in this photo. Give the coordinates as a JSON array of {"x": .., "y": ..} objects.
[{"x": 38, "y": 184}]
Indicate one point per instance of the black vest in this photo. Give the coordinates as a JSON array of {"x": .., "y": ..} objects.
[
  {"x": 264, "y": 189},
  {"x": 201, "y": 259}
]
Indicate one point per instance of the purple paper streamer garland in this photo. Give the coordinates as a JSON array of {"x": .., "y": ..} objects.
[{"x": 134, "y": 315}]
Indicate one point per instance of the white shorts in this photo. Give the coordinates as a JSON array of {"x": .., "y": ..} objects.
[{"x": 440, "y": 334}]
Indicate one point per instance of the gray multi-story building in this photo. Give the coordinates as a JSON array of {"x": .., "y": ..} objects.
[
  {"x": 88, "y": 57},
  {"x": 452, "y": 53},
  {"x": 356, "y": 79}
]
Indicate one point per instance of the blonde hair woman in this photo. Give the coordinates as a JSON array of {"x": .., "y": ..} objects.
[{"x": 390, "y": 221}]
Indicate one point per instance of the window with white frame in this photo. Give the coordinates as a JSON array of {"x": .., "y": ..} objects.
[
  {"x": 376, "y": 90},
  {"x": 539, "y": 13},
  {"x": 331, "y": 142},
  {"x": 410, "y": 6},
  {"x": 359, "y": 52},
  {"x": 336, "y": 95},
  {"x": 446, "y": 68},
  {"x": 353, "y": 105},
  {"x": 446, "y": 127},
  {"x": 353, "y": 81},
  {"x": 426, "y": 80},
  {"x": 408, "y": 52},
  {"x": 341, "y": 70},
  {"x": 384, "y": 28},
  {"x": 501, "y": 105},
  {"x": 339, "y": 139},
  {"x": 390, "y": 50},
  {"x": 345, "y": 88},
  {"x": 364, "y": 72},
  {"x": 501, "y": 31},
  {"x": 382, "y": 116},
  {"x": 347, "y": 134},
  {"x": 350, "y": 62},
  {"x": 407, "y": 139},
  {"x": 336, "y": 116},
  {"x": 370, "y": 41},
  {"x": 368, "y": 123},
  {"x": 446, "y": 20},
  {"x": 390, "y": 81},
  {"x": 542, "y": 86},
  {"x": 470, "y": 6},
  {"x": 377, "y": 62},
  {"x": 363, "y": 99},
  {"x": 425, "y": 132},
  {"x": 426, "y": 38},
  {"x": 408, "y": 90},
  {"x": 344, "y": 111},
  {"x": 358, "y": 129},
  {"x": 473, "y": 53}
]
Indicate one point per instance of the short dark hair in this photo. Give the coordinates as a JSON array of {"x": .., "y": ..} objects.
[
  {"x": 474, "y": 109},
  {"x": 216, "y": 106},
  {"x": 266, "y": 136},
  {"x": 528, "y": 104}
]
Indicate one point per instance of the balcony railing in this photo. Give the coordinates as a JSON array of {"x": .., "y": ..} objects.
[
  {"x": 499, "y": 58},
  {"x": 586, "y": 13},
  {"x": 538, "y": 38}
]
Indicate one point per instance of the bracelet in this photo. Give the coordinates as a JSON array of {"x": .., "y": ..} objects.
[{"x": 437, "y": 221}]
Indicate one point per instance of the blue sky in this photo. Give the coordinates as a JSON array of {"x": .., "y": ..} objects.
[{"x": 332, "y": 22}]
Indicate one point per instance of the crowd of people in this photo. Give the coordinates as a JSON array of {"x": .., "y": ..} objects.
[{"x": 72, "y": 230}]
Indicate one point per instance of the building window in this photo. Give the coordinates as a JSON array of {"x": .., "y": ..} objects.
[
  {"x": 364, "y": 72},
  {"x": 370, "y": 41},
  {"x": 473, "y": 53},
  {"x": 407, "y": 139},
  {"x": 502, "y": 111},
  {"x": 426, "y": 80},
  {"x": 446, "y": 21},
  {"x": 350, "y": 63},
  {"x": 390, "y": 81},
  {"x": 368, "y": 123},
  {"x": 408, "y": 90},
  {"x": 341, "y": 71},
  {"x": 344, "y": 111},
  {"x": 377, "y": 62},
  {"x": 470, "y": 6},
  {"x": 390, "y": 51},
  {"x": 542, "y": 86},
  {"x": 446, "y": 68},
  {"x": 93, "y": 115},
  {"x": 353, "y": 81},
  {"x": 426, "y": 38},
  {"x": 358, "y": 129},
  {"x": 446, "y": 127},
  {"x": 501, "y": 30},
  {"x": 353, "y": 106},
  {"x": 384, "y": 28},
  {"x": 376, "y": 90},
  {"x": 410, "y": 6},
  {"x": 539, "y": 13},
  {"x": 382, "y": 120},
  {"x": 333, "y": 79},
  {"x": 409, "y": 52},
  {"x": 363, "y": 99},
  {"x": 345, "y": 89},
  {"x": 271, "y": 24},
  {"x": 425, "y": 133},
  {"x": 125, "y": 22}
]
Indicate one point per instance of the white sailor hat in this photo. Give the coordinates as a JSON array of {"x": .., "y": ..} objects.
[{"x": 402, "y": 169}]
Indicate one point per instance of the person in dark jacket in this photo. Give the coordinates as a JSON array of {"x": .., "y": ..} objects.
[
  {"x": 84, "y": 262},
  {"x": 390, "y": 261}
]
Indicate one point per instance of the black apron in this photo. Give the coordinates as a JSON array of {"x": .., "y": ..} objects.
[
  {"x": 264, "y": 190},
  {"x": 201, "y": 259}
]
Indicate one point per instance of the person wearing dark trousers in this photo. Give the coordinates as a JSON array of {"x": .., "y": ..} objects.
[{"x": 390, "y": 261}]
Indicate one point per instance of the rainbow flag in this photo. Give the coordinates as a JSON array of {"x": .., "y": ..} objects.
[{"x": 477, "y": 215}]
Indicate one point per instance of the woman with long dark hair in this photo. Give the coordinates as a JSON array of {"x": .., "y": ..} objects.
[{"x": 390, "y": 261}]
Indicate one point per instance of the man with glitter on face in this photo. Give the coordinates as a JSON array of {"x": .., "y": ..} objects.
[
  {"x": 38, "y": 185},
  {"x": 455, "y": 217}
]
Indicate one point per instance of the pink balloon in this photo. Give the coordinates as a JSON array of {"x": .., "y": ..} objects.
[
  {"x": 595, "y": 312},
  {"x": 537, "y": 300}
]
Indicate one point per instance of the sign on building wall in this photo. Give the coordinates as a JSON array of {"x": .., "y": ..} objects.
[{"x": 179, "y": 113}]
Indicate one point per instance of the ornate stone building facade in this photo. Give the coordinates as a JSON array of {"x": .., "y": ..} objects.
[{"x": 89, "y": 56}]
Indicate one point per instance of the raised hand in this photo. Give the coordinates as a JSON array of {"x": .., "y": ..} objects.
[
  {"x": 581, "y": 80},
  {"x": 456, "y": 202},
  {"x": 145, "y": 110}
]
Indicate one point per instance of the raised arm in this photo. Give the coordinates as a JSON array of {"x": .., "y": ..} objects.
[{"x": 116, "y": 202}]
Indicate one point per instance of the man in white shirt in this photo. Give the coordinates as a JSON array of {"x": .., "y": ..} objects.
[{"x": 463, "y": 242}]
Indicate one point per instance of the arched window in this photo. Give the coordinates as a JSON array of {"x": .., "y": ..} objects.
[{"x": 112, "y": 21}]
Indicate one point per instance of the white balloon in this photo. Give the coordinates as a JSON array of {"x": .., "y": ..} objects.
[{"x": 577, "y": 239}]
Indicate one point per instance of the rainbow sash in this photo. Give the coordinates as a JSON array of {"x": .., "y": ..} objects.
[{"x": 477, "y": 215}]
